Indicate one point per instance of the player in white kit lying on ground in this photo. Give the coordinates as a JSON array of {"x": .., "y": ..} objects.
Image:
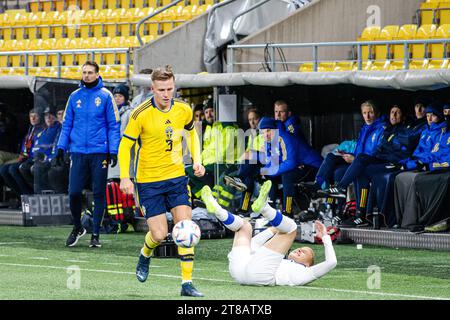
[{"x": 259, "y": 260}]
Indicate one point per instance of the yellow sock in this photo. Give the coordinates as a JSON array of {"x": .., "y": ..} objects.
[
  {"x": 149, "y": 245},
  {"x": 186, "y": 263}
]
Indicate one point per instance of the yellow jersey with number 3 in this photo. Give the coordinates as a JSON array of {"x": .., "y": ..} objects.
[{"x": 158, "y": 135}]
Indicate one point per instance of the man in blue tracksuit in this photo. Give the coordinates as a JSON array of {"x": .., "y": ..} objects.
[
  {"x": 91, "y": 133},
  {"x": 35, "y": 170},
  {"x": 427, "y": 153},
  {"x": 287, "y": 158},
  {"x": 335, "y": 164}
]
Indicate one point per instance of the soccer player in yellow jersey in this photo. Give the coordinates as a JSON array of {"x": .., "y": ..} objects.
[{"x": 157, "y": 126}]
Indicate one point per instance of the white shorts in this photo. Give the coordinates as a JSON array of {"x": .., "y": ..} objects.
[{"x": 258, "y": 268}]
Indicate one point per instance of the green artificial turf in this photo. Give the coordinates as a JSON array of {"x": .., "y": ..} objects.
[{"x": 34, "y": 265}]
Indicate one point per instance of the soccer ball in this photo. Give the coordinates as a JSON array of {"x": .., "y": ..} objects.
[{"x": 186, "y": 234}]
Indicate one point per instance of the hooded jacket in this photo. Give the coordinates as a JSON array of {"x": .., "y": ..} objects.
[
  {"x": 370, "y": 136},
  {"x": 91, "y": 121}
]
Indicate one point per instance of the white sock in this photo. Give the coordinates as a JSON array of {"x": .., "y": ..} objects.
[
  {"x": 231, "y": 221},
  {"x": 283, "y": 223}
]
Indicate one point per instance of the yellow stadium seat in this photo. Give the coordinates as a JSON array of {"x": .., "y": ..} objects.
[
  {"x": 187, "y": 13},
  {"x": 383, "y": 53},
  {"x": 444, "y": 13},
  {"x": 85, "y": 4},
  {"x": 108, "y": 73},
  {"x": 427, "y": 12},
  {"x": 120, "y": 42},
  {"x": 406, "y": 32},
  {"x": 99, "y": 4},
  {"x": 439, "y": 52},
  {"x": 421, "y": 52},
  {"x": 32, "y": 33},
  {"x": 148, "y": 38},
  {"x": 125, "y": 4},
  {"x": 152, "y": 26},
  {"x": 322, "y": 67},
  {"x": 51, "y": 44},
  {"x": 20, "y": 18},
  {"x": 59, "y": 6},
  {"x": 17, "y": 72},
  {"x": 19, "y": 33},
  {"x": 125, "y": 18},
  {"x": 133, "y": 42},
  {"x": 167, "y": 19},
  {"x": 369, "y": 34},
  {"x": 121, "y": 71},
  {"x": 202, "y": 9},
  {"x": 34, "y": 6},
  {"x": 344, "y": 66}
]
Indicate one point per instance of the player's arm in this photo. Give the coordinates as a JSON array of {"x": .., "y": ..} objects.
[
  {"x": 330, "y": 262},
  {"x": 194, "y": 146},
  {"x": 128, "y": 140}
]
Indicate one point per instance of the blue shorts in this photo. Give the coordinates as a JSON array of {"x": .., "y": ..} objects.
[{"x": 157, "y": 198}]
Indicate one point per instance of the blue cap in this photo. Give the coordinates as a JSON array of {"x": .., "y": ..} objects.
[
  {"x": 446, "y": 106},
  {"x": 436, "y": 109},
  {"x": 267, "y": 123}
]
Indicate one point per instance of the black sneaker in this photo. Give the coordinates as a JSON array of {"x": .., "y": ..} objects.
[
  {"x": 333, "y": 192},
  {"x": 235, "y": 183},
  {"x": 142, "y": 268},
  {"x": 357, "y": 222},
  {"x": 76, "y": 234},
  {"x": 188, "y": 289},
  {"x": 95, "y": 243}
]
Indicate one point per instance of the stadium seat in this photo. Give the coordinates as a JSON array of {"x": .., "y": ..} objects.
[
  {"x": 344, "y": 66},
  {"x": 384, "y": 53},
  {"x": 168, "y": 18},
  {"x": 322, "y": 67},
  {"x": 152, "y": 26},
  {"x": 188, "y": 12},
  {"x": 99, "y": 4},
  {"x": 421, "y": 52},
  {"x": 108, "y": 72},
  {"x": 428, "y": 12},
  {"x": 120, "y": 42},
  {"x": 444, "y": 13},
  {"x": 202, "y": 9},
  {"x": 369, "y": 34},
  {"x": 34, "y": 6},
  {"x": 406, "y": 32},
  {"x": 439, "y": 52}
]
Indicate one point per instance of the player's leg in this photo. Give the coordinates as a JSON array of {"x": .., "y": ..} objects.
[
  {"x": 151, "y": 202},
  {"x": 230, "y": 221},
  {"x": 276, "y": 219},
  {"x": 77, "y": 181},
  {"x": 178, "y": 202},
  {"x": 99, "y": 172}
]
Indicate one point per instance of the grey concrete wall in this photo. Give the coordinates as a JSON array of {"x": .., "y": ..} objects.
[
  {"x": 182, "y": 48},
  {"x": 323, "y": 21}
]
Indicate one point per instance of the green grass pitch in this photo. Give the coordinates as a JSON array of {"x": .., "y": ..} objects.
[{"x": 34, "y": 265}]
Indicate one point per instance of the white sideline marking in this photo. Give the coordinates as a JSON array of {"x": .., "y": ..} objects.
[
  {"x": 6, "y": 243},
  {"x": 38, "y": 258},
  {"x": 81, "y": 261},
  {"x": 230, "y": 281}
]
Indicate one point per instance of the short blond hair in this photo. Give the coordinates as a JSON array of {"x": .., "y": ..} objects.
[{"x": 163, "y": 73}]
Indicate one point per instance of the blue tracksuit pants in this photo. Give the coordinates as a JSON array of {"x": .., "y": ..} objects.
[{"x": 81, "y": 167}]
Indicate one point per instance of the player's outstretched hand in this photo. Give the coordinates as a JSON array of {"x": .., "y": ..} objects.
[
  {"x": 126, "y": 186},
  {"x": 321, "y": 230},
  {"x": 199, "y": 170}
]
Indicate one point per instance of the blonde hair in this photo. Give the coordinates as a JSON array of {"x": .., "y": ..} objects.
[
  {"x": 313, "y": 256},
  {"x": 163, "y": 73}
]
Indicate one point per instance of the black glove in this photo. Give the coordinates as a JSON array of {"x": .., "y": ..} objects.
[
  {"x": 60, "y": 157},
  {"x": 112, "y": 159}
]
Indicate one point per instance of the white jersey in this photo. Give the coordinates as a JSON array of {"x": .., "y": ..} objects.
[
  {"x": 290, "y": 273},
  {"x": 259, "y": 265}
]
